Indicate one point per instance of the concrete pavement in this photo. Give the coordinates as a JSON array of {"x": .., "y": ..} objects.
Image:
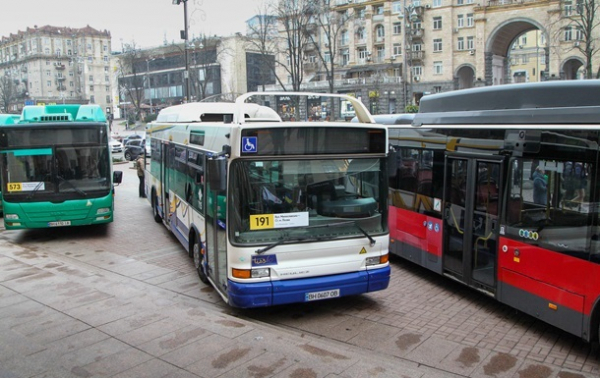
[{"x": 123, "y": 301}]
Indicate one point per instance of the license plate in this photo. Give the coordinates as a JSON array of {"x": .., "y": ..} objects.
[
  {"x": 59, "y": 223},
  {"x": 318, "y": 295}
]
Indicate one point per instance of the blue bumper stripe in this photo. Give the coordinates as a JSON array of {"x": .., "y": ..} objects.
[{"x": 293, "y": 291}]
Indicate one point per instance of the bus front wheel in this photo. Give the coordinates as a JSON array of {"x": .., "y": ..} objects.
[{"x": 199, "y": 260}]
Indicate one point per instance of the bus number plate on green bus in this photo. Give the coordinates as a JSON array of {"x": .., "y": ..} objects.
[
  {"x": 25, "y": 186},
  {"x": 59, "y": 223}
]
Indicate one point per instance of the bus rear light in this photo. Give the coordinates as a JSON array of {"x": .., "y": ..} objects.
[
  {"x": 376, "y": 260},
  {"x": 552, "y": 306},
  {"x": 251, "y": 273}
]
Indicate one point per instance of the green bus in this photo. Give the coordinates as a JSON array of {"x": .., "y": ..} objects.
[{"x": 56, "y": 167}]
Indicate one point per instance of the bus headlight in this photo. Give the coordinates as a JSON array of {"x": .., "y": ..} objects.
[
  {"x": 251, "y": 273},
  {"x": 103, "y": 210},
  {"x": 376, "y": 260},
  {"x": 11, "y": 216}
]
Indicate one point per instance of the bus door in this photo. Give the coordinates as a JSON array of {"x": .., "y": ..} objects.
[
  {"x": 472, "y": 195},
  {"x": 216, "y": 238}
]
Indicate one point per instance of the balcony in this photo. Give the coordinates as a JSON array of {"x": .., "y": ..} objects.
[
  {"x": 417, "y": 34},
  {"x": 59, "y": 66},
  {"x": 415, "y": 56}
]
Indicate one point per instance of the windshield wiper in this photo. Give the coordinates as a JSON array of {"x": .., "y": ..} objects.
[
  {"x": 286, "y": 237},
  {"x": 37, "y": 187},
  {"x": 79, "y": 191}
]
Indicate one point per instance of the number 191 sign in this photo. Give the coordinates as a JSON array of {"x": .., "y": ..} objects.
[{"x": 268, "y": 221}]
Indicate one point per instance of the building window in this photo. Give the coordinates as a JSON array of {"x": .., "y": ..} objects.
[
  {"x": 91, "y": 88},
  {"x": 460, "y": 2},
  {"x": 470, "y": 43},
  {"x": 106, "y": 78},
  {"x": 397, "y": 28},
  {"x": 397, "y": 48},
  {"x": 380, "y": 53},
  {"x": 91, "y": 78},
  {"x": 437, "y": 23},
  {"x": 345, "y": 57},
  {"x": 344, "y": 39},
  {"x": 360, "y": 34},
  {"x": 360, "y": 13},
  {"x": 363, "y": 54},
  {"x": 417, "y": 71},
  {"x": 92, "y": 99},
  {"x": 71, "y": 84},
  {"x": 378, "y": 9},
  {"x": 437, "y": 45},
  {"x": 578, "y": 34},
  {"x": 48, "y": 73},
  {"x": 470, "y": 20},
  {"x": 49, "y": 83},
  {"x": 568, "y": 34},
  {"x": 397, "y": 7},
  {"x": 437, "y": 68},
  {"x": 437, "y": 3},
  {"x": 379, "y": 32},
  {"x": 437, "y": 89},
  {"x": 460, "y": 21},
  {"x": 461, "y": 43}
]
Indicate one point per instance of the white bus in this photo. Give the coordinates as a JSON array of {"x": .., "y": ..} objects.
[{"x": 273, "y": 212}]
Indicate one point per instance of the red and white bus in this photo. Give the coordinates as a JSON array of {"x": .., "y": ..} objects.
[{"x": 497, "y": 188}]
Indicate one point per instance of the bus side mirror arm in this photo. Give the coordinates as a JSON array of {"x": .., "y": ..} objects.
[
  {"x": 392, "y": 162},
  {"x": 117, "y": 177}
]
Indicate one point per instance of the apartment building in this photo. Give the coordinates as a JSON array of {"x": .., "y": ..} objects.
[
  {"x": 392, "y": 52},
  {"x": 51, "y": 64}
]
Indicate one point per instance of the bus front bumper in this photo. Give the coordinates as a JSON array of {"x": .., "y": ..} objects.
[{"x": 301, "y": 290}]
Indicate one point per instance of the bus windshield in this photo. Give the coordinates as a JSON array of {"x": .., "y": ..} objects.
[
  {"x": 274, "y": 199},
  {"x": 47, "y": 173}
]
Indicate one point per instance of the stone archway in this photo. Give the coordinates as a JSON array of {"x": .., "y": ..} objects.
[
  {"x": 572, "y": 69},
  {"x": 499, "y": 44},
  {"x": 465, "y": 77}
]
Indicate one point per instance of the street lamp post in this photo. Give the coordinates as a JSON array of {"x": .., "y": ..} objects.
[
  {"x": 410, "y": 15},
  {"x": 148, "y": 82},
  {"x": 184, "y": 35}
]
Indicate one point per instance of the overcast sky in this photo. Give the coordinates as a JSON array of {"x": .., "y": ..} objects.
[{"x": 146, "y": 22}]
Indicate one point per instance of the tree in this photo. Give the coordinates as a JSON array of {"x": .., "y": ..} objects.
[
  {"x": 327, "y": 26},
  {"x": 584, "y": 21},
  {"x": 262, "y": 37},
  {"x": 8, "y": 92},
  {"x": 294, "y": 17},
  {"x": 131, "y": 77}
]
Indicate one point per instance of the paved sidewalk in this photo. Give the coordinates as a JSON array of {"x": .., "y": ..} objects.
[
  {"x": 61, "y": 317},
  {"x": 125, "y": 302}
]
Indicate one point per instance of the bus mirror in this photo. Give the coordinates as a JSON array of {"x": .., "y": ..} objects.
[
  {"x": 392, "y": 162},
  {"x": 217, "y": 173},
  {"x": 117, "y": 177}
]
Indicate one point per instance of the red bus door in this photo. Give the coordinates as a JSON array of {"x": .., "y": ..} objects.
[{"x": 472, "y": 195}]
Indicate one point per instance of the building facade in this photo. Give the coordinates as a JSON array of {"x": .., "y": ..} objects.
[
  {"x": 57, "y": 65},
  {"x": 392, "y": 52}
]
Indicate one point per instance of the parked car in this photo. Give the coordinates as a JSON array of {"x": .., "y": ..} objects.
[
  {"x": 132, "y": 137},
  {"x": 134, "y": 148},
  {"x": 115, "y": 145}
]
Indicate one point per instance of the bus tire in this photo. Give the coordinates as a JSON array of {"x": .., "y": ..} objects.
[
  {"x": 157, "y": 217},
  {"x": 199, "y": 260}
]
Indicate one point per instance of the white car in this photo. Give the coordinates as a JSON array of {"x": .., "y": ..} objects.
[{"x": 115, "y": 145}]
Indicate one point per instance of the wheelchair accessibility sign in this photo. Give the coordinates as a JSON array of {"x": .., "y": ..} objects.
[{"x": 250, "y": 144}]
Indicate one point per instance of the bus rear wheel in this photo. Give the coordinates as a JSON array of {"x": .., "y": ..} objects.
[{"x": 199, "y": 261}]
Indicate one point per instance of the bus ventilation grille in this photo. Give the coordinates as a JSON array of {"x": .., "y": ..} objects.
[{"x": 61, "y": 117}]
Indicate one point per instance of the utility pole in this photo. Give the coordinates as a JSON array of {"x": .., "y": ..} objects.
[{"x": 184, "y": 36}]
